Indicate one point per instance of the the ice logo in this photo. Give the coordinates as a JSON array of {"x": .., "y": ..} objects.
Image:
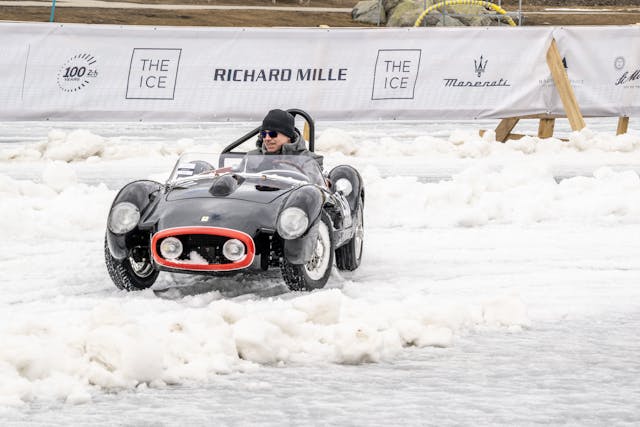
[
  {"x": 480, "y": 66},
  {"x": 77, "y": 72},
  {"x": 153, "y": 73},
  {"x": 396, "y": 73}
]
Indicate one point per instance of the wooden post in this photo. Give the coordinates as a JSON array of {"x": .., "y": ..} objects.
[
  {"x": 563, "y": 85},
  {"x": 505, "y": 127},
  {"x": 623, "y": 125},
  {"x": 545, "y": 128}
]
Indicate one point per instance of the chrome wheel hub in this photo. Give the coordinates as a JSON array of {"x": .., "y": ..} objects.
[
  {"x": 142, "y": 268},
  {"x": 319, "y": 262}
]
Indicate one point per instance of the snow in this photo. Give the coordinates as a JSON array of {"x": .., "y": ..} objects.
[{"x": 488, "y": 267}]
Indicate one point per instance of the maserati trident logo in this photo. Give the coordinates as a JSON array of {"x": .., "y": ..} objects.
[{"x": 480, "y": 66}]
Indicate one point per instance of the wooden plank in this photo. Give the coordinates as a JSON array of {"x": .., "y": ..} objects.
[
  {"x": 545, "y": 128},
  {"x": 505, "y": 127},
  {"x": 564, "y": 88},
  {"x": 543, "y": 116},
  {"x": 515, "y": 136},
  {"x": 508, "y": 137},
  {"x": 623, "y": 125}
]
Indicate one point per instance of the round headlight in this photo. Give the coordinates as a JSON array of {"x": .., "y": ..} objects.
[
  {"x": 292, "y": 223},
  {"x": 171, "y": 248},
  {"x": 123, "y": 218},
  {"x": 233, "y": 250},
  {"x": 344, "y": 186}
]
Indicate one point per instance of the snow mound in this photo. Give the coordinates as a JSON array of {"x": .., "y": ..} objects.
[
  {"x": 75, "y": 145},
  {"x": 335, "y": 140},
  {"x": 59, "y": 175},
  {"x": 523, "y": 193},
  {"x": 468, "y": 144},
  {"x": 122, "y": 344},
  {"x": 58, "y": 208},
  {"x": 82, "y": 145}
]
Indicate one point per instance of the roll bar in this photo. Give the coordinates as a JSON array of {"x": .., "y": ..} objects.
[{"x": 294, "y": 112}]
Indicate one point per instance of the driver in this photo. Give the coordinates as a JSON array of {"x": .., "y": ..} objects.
[{"x": 278, "y": 135}]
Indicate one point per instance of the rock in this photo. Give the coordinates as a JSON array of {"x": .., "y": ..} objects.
[
  {"x": 370, "y": 12},
  {"x": 405, "y": 14},
  {"x": 448, "y": 21},
  {"x": 431, "y": 20},
  {"x": 389, "y": 5},
  {"x": 469, "y": 14},
  {"x": 498, "y": 19},
  {"x": 480, "y": 21}
]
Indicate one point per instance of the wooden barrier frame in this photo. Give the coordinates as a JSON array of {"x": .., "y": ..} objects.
[{"x": 569, "y": 103}]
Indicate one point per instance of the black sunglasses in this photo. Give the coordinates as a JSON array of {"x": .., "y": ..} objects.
[{"x": 271, "y": 133}]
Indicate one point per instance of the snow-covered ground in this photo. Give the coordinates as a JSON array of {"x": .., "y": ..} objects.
[{"x": 500, "y": 285}]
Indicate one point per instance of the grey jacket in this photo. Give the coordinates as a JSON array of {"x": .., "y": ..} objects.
[{"x": 297, "y": 146}]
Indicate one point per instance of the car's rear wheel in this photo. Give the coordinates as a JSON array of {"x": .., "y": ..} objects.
[
  {"x": 349, "y": 255},
  {"x": 315, "y": 273},
  {"x": 130, "y": 274}
]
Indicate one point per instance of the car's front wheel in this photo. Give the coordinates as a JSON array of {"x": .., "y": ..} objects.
[
  {"x": 349, "y": 255},
  {"x": 315, "y": 273},
  {"x": 130, "y": 274}
]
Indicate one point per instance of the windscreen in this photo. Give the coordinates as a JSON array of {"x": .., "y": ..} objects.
[
  {"x": 302, "y": 167},
  {"x": 192, "y": 166}
]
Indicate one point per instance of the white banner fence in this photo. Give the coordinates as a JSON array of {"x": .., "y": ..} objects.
[{"x": 130, "y": 73}]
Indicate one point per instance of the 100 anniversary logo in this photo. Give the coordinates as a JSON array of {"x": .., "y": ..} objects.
[
  {"x": 479, "y": 67},
  {"x": 77, "y": 72}
]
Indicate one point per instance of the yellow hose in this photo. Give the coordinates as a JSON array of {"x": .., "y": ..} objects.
[{"x": 464, "y": 2}]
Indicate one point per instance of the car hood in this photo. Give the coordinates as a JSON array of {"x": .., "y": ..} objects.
[
  {"x": 226, "y": 213},
  {"x": 261, "y": 189}
]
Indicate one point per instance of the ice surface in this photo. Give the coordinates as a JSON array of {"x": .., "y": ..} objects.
[{"x": 499, "y": 286}]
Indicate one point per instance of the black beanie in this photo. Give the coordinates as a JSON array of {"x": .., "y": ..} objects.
[{"x": 280, "y": 121}]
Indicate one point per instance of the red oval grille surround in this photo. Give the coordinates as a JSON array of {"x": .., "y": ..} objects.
[{"x": 212, "y": 231}]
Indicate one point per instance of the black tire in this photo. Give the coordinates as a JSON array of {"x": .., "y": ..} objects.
[
  {"x": 125, "y": 276},
  {"x": 315, "y": 273},
  {"x": 349, "y": 255}
]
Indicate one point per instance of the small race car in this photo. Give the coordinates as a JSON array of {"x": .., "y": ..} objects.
[{"x": 223, "y": 213}]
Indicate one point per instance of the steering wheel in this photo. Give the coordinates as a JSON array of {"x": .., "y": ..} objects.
[
  {"x": 290, "y": 163},
  {"x": 287, "y": 173}
]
